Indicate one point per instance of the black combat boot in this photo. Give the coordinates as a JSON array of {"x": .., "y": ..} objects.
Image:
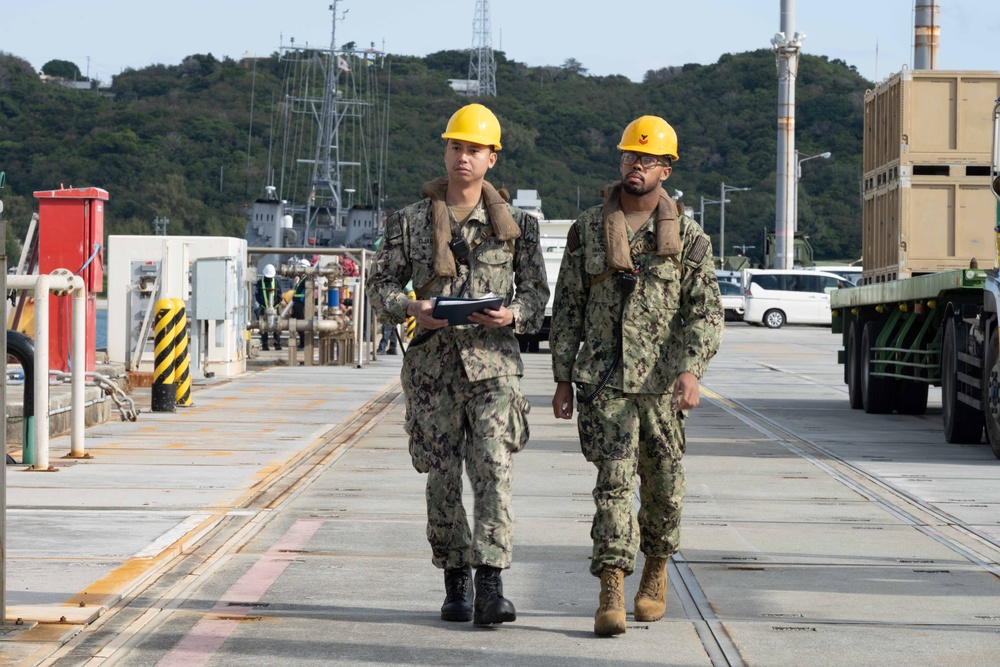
[
  {"x": 392, "y": 348},
  {"x": 491, "y": 606},
  {"x": 381, "y": 346},
  {"x": 458, "y": 595}
]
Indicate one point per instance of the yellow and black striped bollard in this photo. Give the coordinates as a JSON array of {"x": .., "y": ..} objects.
[
  {"x": 181, "y": 362},
  {"x": 411, "y": 322},
  {"x": 164, "y": 389}
]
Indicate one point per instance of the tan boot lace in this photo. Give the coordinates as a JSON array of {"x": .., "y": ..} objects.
[
  {"x": 612, "y": 593},
  {"x": 653, "y": 578}
]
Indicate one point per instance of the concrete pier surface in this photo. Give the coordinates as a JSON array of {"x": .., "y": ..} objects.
[{"x": 279, "y": 521}]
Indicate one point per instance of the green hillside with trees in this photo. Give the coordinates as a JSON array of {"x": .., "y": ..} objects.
[{"x": 179, "y": 142}]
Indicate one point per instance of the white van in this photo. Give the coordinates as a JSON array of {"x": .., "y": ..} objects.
[
  {"x": 793, "y": 296},
  {"x": 847, "y": 271}
]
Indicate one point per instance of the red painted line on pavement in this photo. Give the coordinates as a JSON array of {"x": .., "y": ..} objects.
[{"x": 207, "y": 636}]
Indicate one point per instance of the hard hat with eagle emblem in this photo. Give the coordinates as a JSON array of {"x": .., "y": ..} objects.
[{"x": 651, "y": 135}]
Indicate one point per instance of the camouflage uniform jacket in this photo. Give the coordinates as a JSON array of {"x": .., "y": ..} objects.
[
  {"x": 514, "y": 270},
  {"x": 673, "y": 319}
]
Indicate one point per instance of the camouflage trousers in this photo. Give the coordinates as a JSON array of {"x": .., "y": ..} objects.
[
  {"x": 624, "y": 435},
  {"x": 452, "y": 422}
]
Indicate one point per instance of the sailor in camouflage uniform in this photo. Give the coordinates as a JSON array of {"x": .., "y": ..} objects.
[
  {"x": 636, "y": 318},
  {"x": 462, "y": 383}
]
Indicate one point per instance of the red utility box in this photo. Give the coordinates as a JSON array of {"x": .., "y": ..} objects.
[{"x": 71, "y": 236}]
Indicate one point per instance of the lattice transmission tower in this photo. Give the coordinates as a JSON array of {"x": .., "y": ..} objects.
[{"x": 482, "y": 68}]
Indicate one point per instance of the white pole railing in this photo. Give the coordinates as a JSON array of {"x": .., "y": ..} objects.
[{"x": 63, "y": 283}]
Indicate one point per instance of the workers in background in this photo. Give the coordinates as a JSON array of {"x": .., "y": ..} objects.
[
  {"x": 462, "y": 383},
  {"x": 636, "y": 318},
  {"x": 388, "y": 338},
  {"x": 299, "y": 299},
  {"x": 267, "y": 298}
]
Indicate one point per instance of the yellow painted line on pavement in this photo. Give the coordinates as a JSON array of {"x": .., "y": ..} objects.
[
  {"x": 83, "y": 607},
  {"x": 721, "y": 400}
]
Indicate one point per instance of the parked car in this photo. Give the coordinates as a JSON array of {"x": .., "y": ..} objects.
[
  {"x": 732, "y": 300},
  {"x": 734, "y": 277},
  {"x": 849, "y": 272},
  {"x": 793, "y": 296}
]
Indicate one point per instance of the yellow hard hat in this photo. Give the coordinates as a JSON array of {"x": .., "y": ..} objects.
[
  {"x": 650, "y": 134},
  {"x": 476, "y": 124}
]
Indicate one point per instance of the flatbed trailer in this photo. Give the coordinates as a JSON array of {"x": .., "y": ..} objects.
[
  {"x": 919, "y": 319},
  {"x": 904, "y": 336}
]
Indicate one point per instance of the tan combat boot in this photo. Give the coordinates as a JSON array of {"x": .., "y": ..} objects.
[
  {"x": 610, "y": 616},
  {"x": 651, "y": 600}
]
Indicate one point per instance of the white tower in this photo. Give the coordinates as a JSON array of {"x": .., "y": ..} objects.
[
  {"x": 787, "y": 45},
  {"x": 482, "y": 69}
]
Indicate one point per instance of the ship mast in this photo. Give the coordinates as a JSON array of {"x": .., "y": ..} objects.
[
  {"x": 333, "y": 91},
  {"x": 324, "y": 192}
]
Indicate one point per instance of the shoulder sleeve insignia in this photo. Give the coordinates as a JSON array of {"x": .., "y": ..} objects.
[
  {"x": 394, "y": 228},
  {"x": 573, "y": 238},
  {"x": 698, "y": 250},
  {"x": 528, "y": 225}
]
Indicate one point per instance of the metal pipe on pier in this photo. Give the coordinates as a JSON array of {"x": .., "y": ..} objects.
[{"x": 62, "y": 283}]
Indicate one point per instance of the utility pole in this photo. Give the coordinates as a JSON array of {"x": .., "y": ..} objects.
[
  {"x": 482, "y": 68},
  {"x": 798, "y": 177}
]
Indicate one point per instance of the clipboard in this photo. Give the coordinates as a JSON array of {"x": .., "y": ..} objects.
[{"x": 457, "y": 310}]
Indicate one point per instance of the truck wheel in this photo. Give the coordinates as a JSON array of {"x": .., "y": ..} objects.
[
  {"x": 991, "y": 393},
  {"x": 963, "y": 424},
  {"x": 774, "y": 319},
  {"x": 912, "y": 398},
  {"x": 877, "y": 393},
  {"x": 852, "y": 367}
]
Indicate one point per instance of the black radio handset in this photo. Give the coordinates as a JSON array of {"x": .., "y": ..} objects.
[
  {"x": 460, "y": 249},
  {"x": 626, "y": 282}
]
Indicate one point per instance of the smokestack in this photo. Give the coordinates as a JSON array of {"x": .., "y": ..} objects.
[{"x": 926, "y": 33}]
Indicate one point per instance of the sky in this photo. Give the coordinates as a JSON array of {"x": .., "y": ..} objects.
[{"x": 103, "y": 37}]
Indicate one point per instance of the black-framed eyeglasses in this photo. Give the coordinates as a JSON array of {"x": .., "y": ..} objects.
[{"x": 647, "y": 161}]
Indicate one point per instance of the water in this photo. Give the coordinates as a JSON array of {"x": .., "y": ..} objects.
[{"x": 101, "y": 335}]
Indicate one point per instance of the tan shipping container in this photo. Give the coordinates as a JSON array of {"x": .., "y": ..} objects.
[
  {"x": 925, "y": 225},
  {"x": 927, "y": 204}
]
